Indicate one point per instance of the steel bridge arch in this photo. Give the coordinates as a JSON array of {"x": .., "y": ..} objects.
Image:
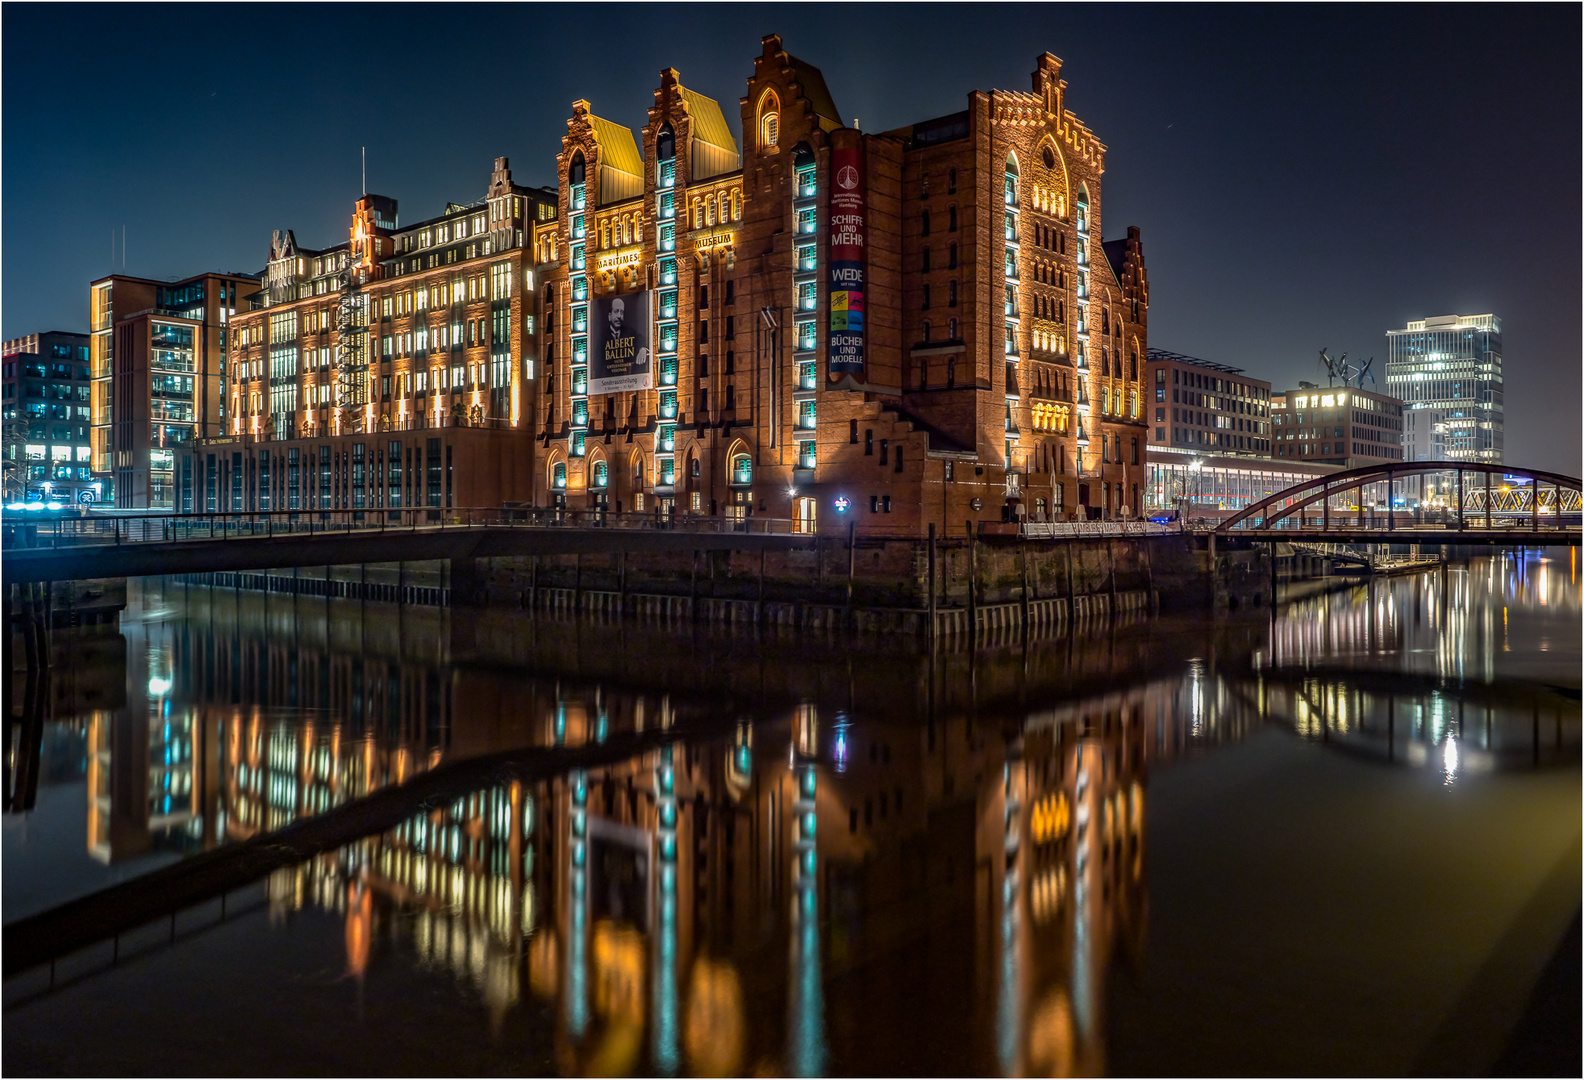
[{"x": 1295, "y": 499}]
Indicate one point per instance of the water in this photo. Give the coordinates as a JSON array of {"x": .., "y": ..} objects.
[{"x": 1344, "y": 839}]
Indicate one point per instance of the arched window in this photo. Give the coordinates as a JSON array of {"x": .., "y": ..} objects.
[
  {"x": 737, "y": 206},
  {"x": 693, "y": 466},
  {"x": 601, "y": 474},
  {"x": 709, "y": 210},
  {"x": 1081, "y": 204},
  {"x": 575, "y": 170},
  {"x": 926, "y": 258},
  {"x": 951, "y": 219},
  {"x": 951, "y": 254},
  {"x": 769, "y": 119},
  {"x": 924, "y": 223},
  {"x": 1010, "y": 192},
  {"x": 698, "y": 212},
  {"x": 605, "y": 235},
  {"x": 558, "y": 475},
  {"x": 665, "y": 143}
]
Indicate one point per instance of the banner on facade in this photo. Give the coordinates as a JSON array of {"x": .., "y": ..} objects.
[
  {"x": 622, "y": 356},
  {"x": 846, "y": 231}
]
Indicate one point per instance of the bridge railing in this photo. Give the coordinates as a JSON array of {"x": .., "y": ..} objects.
[
  {"x": 140, "y": 528},
  {"x": 1351, "y": 520}
]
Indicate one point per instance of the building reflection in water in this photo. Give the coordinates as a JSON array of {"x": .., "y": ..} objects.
[
  {"x": 1460, "y": 697},
  {"x": 663, "y": 906},
  {"x": 817, "y": 886}
]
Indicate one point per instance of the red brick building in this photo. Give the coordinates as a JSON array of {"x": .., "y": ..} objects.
[
  {"x": 993, "y": 346},
  {"x": 897, "y": 329}
]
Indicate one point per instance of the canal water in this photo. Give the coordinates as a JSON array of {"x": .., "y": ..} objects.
[{"x": 1340, "y": 838}]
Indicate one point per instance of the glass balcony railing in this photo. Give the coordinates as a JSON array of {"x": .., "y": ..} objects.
[
  {"x": 579, "y": 197},
  {"x": 668, "y": 405},
  {"x": 580, "y": 320},
  {"x": 668, "y": 237},
  {"x": 668, "y": 305},
  {"x": 580, "y": 288},
  {"x": 667, "y": 175},
  {"x": 578, "y": 262},
  {"x": 577, "y": 227},
  {"x": 579, "y": 444},
  {"x": 807, "y": 259},
  {"x": 665, "y": 439},
  {"x": 806, "y": 223},
  {"x": 580, "y": 381},
  {"x": 806, "y": 377},
  {"x": 805, "y": 188},
  {"x": 742, "y": 475},
  {"x": 806, "y": 460},
  {"x": 668, "y": 373},
  {"x": 806, "y": 336}
]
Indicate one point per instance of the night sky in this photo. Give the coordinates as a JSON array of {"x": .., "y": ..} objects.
[{"x": 1303, "y": 176}]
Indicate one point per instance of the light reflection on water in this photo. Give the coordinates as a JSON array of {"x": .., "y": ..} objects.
[{"x": 724, "y": 905}]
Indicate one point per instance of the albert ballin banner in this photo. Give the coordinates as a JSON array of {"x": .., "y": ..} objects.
[
  {"x": 623, "y": 355},
  {"x": 846, "y": 341}
]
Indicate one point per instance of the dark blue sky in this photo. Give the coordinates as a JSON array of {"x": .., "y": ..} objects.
[{"x": 1303, "y": 176}]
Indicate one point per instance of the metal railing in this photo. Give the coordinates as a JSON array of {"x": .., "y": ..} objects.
[
  {"x": 138, "y": 528},
  {"x": 1059, "y": 530}
]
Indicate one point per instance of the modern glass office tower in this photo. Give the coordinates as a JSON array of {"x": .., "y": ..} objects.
[{"x": 1447, "y": 371}]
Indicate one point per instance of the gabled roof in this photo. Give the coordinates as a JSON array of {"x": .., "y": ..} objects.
[
  {"x": 709, "y": 123},
  {"x": 814, "y": 88},
  {"x": 618, "y": 150}
]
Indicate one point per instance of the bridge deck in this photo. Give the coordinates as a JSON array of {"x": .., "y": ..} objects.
[{"x": 96, "y": 560}]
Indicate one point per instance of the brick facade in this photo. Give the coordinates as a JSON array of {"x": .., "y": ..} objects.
[
  {"x": 1003, "y": 342},
  {"x": 1028, "y": 402}
]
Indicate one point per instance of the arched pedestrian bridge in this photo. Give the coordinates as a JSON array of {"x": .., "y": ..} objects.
[{"x": 1438, "y": 502}]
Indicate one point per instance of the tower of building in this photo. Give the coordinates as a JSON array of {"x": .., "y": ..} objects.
[{"x": 1447, "y": 371}]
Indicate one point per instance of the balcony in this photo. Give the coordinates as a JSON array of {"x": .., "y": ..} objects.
[
  {"x": 742, "y": 476},
  {"x": 806, "y": 377},
  {"x": 805, "y": 187},
  {"x": 665, "y": 439},
  {"x": 806, "y": 461}
]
